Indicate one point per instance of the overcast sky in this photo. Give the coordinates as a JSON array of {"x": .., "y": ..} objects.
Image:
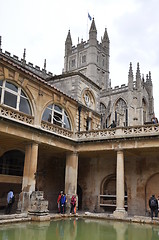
[{"x": 41, "y": 26}]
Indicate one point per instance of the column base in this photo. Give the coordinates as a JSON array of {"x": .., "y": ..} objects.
[{"x": 120, "y": 213}]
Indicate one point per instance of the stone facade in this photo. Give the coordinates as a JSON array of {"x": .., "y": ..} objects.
[
  {"x": 86, "y": 78},
  {"x": 55, "y": 135}
]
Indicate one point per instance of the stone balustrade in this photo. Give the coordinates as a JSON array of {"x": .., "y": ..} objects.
[
  {"x": 119, "y": 132},
  {"x": 101, "y": 134},
  {"x": 15, "y": 115}
]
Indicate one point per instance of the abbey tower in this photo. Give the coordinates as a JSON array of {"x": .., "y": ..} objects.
[{"x": 86, "y": 78}]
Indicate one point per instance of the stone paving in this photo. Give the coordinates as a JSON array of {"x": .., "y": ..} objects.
[{"x": 24, "y": 217}]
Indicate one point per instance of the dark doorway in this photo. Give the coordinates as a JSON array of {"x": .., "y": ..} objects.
[{"x": 79, "y": 193}]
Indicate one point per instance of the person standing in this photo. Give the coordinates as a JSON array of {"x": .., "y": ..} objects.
[
  {"x": 58, "y": 201},
  {"x": 62, "y": 203},
  {"x": 73, "y": 205},
  {"x": 153, "y": 204},
  {"x": 10, "y": 201}
]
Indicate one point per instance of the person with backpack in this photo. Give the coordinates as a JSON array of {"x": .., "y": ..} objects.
[{"x": 153, "y": 204}]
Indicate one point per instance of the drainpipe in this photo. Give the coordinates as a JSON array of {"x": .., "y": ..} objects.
[{"x": 79, "y": 120}]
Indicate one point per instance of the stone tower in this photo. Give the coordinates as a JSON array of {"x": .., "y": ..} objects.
[
  {"x": 86, "y": 79},
  {"x": 91, "y": 58}
]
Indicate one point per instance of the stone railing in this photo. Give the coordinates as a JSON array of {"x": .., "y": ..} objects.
[
  {"x": 56, "y": 129},
  {"x": 16, "y": 115},
  {"x": 123, "y": 132}
]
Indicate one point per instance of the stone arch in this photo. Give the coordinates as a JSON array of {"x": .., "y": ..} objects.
[
  {"x": 108, "y": 181},
  {"x": 12, "y": 162},
  {"x": 121, "y": 112},
  {"x": 108, "y": 193},
  {"x": 151, "y": 188}
]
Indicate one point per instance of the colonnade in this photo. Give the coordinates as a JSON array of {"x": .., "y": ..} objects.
[{"x": 71, "y": 170}]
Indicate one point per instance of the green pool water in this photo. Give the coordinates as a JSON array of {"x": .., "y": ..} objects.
[{"x": 79, "y": 229}]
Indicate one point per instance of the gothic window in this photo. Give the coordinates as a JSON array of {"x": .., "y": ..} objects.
[
  {"x": 121, "y": 113},
  {"x": 73, "y": 62},
  {"x": 13, "y": 96},
  {"x": 56, "y": 115},
  {"x": 144, "y": 110},
  {"x": 83, "y": 58},
  {"x": 102, "y": 108}
]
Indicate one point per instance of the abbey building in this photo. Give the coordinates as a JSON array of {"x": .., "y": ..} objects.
[{"x": 55, "y": 132}]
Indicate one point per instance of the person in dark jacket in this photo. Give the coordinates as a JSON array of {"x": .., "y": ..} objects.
[
  {"x": 62, "y": 203},
  {"x": 153, "y": 204}
]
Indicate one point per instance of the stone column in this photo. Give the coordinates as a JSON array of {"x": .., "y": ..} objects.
[
  {"x": 71, "y": 176},
  {"x": 120, "y": 210},
  {"x": 29, "y": 181}
]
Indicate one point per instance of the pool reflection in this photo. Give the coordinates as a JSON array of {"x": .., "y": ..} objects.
[{"x": 79, "y": 229}]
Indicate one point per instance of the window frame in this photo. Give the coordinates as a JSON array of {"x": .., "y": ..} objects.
[
  {"x": 19, "y": 94},
  {"x": 62, "y": 114}
]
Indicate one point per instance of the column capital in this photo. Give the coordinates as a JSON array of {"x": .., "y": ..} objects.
[
  {"x": 72, "y": 153},
  {"x": 118, "y": 149}
]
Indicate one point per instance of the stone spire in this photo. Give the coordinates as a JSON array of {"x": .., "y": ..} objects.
[
  {"x": 68, "y": 39},
  {"x": 138, "y": 77},
  {"x": 130, "y": 77},
  {"x": 45, "y": 64},
  {"x": 93, "y": 31},
  {"x": 148, "y": 78},
  {"x": 24, "y": 54},
  {"x": 105, "y": 40},
  {"x": 23, "y": 59},
  {"x": 68, "y": 43}
]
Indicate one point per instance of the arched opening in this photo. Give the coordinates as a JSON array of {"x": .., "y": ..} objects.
[
  {"x": 12, "y": 163},
  {"x": 108, "y": 194},
  {"x": 151, "y": 188},
  {"x": 11, "y": 172}
]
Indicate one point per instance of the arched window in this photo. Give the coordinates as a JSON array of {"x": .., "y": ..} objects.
[
  {"x": 102, "y": 108},
  {"x": 121, "y": 113},
  {"x": 13, "y": 96},
  {"x": 12, "y": 163},
  {"x": 56, "y": 115},
  {"x": 144, "y": 110}
]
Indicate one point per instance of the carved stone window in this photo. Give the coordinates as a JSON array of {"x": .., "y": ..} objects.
[
  {"x": 121, "y": 113},
  {"x": 13, "y": 96},
  {"x": 56, "y": 115}
]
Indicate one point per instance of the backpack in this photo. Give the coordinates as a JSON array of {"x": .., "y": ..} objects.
[{"x": 153, "y": 203}]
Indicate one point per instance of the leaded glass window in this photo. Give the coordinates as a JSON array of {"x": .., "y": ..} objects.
[
  {"x": 56, "y": 115},
  {"x": 13, "y": 96}
]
